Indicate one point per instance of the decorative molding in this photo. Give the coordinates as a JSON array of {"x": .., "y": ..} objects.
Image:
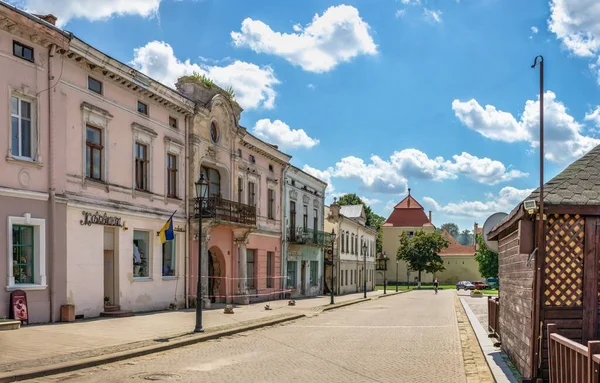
[
  {"x": 293, "y": 194},
  {"x": 141, "y": 128},
  {"x": 211, "y": 152},
  {"x": 316, "y": 203},
  {"x": 15, "y": 193},
  {"x": 86, "y": 106},
  {"x": 173, "y": 141},
  {"x": 305, "y": 199}
]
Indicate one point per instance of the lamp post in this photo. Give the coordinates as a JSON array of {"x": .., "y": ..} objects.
[
  {"x": 385, "y": 274},
  {"x": 332, "y": 257},
  {"x": 201, "y": 191},
  {"x": 396, "y": 275},
  {"x": 365, "y": 269}
]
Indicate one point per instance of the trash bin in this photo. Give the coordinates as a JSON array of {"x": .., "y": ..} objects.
[{"x": 67, "y": 313}]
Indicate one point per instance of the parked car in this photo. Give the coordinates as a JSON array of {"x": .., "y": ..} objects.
[
  {"x": 465, "y": 285},
  {"x": 481, "y": 285}
]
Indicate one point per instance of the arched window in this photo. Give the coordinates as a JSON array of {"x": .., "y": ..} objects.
[
  {"x": 352, "y": 252},
  {"x": 356, "y": 245},
  {"x": 214, "y": 181},
  {"x": 343, "y": 242},
  {"x": 347, "y": 238}
]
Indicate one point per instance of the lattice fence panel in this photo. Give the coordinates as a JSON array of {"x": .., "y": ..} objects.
[{"x": 563, "y": 269}]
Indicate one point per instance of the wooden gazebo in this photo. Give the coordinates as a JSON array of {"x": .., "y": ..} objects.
[{"x": 559, "y": 284}]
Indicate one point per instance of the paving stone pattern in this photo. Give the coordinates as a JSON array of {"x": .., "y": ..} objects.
[{"x": 405, "y": 338}]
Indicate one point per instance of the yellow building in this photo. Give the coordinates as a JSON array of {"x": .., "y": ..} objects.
[{"x": 409, "y": 216}]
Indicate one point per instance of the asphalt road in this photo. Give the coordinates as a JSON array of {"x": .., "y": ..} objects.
[{"x": 405, "y": 338}]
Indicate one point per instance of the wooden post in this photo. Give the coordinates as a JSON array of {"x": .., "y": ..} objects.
[
  {"x": 592, "y": 371},
  {"x": 552, "y": 357}
]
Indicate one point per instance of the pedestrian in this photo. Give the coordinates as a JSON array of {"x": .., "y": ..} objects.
[{"x": 436, "y": 284}]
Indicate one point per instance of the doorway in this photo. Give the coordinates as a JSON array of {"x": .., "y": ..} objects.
[
  {"x": 303, "y": 278},
  {"x": 110, "y": 282}
]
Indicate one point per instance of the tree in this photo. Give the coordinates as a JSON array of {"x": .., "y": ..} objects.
[
  {"x": 451, "y": 228},
  {"x": 373, "y": 220},
  {"x": 421, "y": 252},
  {"x": 487, "y": 259},
  {"x": 465, "y": 238}
]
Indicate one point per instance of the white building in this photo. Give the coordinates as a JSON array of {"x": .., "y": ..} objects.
[
  {"x": 303, "y": 235},
  {"x": 355, "y": 249}
]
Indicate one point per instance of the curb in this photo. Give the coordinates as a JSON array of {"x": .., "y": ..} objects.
[
  {"x": 392, "y": 294},
  {"x": 36, "y": 372},
  {"x": 342, "y": 304}
]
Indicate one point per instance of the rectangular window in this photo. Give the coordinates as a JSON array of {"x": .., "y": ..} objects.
[
  {"x": 251, "y": 158},
  {"x": 93, "y": 152},
  {"x": 251, "y": 194},
  {"x": 250, "y": 269},
  {"x": 240, "y": 189},
  {"x": 142, "y": 108},
  {"x": 141, "y": 254},
  {"x": 173, "y": 123},
  {"x": 270, "y": 262},
  {"x": 141, "y": 166},
  {"x": 23, "y": 250},
  {"x": 291, "y": 274},
  {"x": 270, "y": 167},
  {"x": 172, "y": 175},
  {"x": 22, "y": 51},
  {"x": 305, "y": 218},
  {"x": 21, "y": 126},
  {"x": 271, "y": 206},
  {"x": 346, "y": 277},
  {"x": 168, "y": 258},
  {"x": 315, "y": 219},
  {"x": 94, "y": 85},
  {"x": 314, "y": 273}
]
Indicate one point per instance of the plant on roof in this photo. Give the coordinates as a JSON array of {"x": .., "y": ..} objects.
[
  {"x": 230, "y": 93},
  {"x": 201, "y": 78}
]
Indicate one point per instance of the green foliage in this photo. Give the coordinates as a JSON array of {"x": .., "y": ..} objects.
[
  {"x": 231, "y": 93},
  {"x": 451, "y": 228},
  {"x": 201, "y": 78},
  {"x": 476, "y": 292},
  {"x": 373, "y": 219},
  {"x": 465, "y": 238},
  {"x": 421, "y": 252},
  {"x": 487, "y": 259}
]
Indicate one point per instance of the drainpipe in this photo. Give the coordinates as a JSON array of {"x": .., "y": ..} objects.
[
  {"x": 52, "y": 181},
  {"x": 187, "y": 213},
  {"x": 284, "y": 244}
]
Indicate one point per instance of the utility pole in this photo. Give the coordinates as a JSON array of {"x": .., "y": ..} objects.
[{"x": 539, "y": 257}]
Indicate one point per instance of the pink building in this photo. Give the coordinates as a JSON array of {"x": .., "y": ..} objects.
[{"x": 242, "y": 236}]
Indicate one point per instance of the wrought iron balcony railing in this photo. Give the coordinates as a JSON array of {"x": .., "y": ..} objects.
[
  {"x": 309, "y": 237},
  {"x": 225, "y": 210}
]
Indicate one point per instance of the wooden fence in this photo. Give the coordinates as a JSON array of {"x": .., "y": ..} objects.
[
  {"x": 494, "y": 316},
  {"x": 572, "y": 362}
]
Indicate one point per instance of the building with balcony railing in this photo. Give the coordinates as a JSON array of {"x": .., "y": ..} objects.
[
  {"x": 242, "y": 230},
  {"x": 304, "y": 237}
]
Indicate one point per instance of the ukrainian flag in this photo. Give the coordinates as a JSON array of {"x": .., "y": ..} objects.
[{"x": 166, "y": 233}]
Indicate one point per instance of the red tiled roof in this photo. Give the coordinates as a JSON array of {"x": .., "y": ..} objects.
[
  {"x": 408, "y": 213},
  {"x": 455, "y": 248}
]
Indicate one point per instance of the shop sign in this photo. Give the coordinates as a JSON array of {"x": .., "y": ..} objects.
[{"x": 99, "y": 219}]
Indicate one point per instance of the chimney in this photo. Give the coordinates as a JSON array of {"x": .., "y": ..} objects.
[
  {"x": 429, "y": 216},
  {"x": 49, "y": 18},
  {"x": 475, "y": 228},
  {"x": 408, "y": 201}
]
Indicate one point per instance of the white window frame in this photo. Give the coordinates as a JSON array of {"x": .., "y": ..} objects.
[
  {"x": 97, "y": 119},
  {"x": 149, "y": 256},
  {"x": 39, "y": 235},
  {"x": 175, "y": 149},
  {"x": 145, "y": 136},
  {"x": 22, "y": 96},
  {"x": 174, "y": 260}
]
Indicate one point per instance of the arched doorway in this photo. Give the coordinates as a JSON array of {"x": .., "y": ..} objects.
[{"x": 216, "y": 272}]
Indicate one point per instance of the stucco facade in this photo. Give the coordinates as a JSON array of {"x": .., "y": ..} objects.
[
  {"x": 304, "y": 238},
  {"x": 351, "y": 257}
]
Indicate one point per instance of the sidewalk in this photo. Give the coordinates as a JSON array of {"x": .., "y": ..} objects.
[{"x": 40, "y": 345}]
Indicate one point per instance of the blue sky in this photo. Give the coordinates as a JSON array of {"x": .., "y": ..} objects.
[{"x": 375, "y": 96}]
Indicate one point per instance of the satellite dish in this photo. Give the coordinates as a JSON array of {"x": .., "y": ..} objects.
[{"x": 489, "y": 224}]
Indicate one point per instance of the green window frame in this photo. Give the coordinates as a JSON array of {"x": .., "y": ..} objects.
[
  {"x": 23, "y": 259},
  {"x": 314, "y": 273},
  {"x": 291, "y": 274}
]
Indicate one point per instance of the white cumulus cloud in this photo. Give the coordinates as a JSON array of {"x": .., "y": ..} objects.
[
  {"x": 433, "y": 15},
  {"x": 370, "y": 201},
  {"x": 92, "y": 10},
  {"x": 504, "y": 201},
  {"x": 253, "y": 85},
  {"x": 280, "y": 133},
  {"x": 323, "y": 175},
  {"x": 563, "y": 136},
  {"x": 338, "y": 35}
]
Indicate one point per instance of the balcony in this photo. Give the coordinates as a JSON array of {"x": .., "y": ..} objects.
[
  {"x": 222, "y": 209},
  {"x": 310, "y": 237}
]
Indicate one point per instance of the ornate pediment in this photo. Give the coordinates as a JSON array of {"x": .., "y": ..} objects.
[
  {"x": 305, "y": 199},
  {"x": 211, "y": 152},
  {"x": 293, "y": 194},
  {"x": 316, "y": 203}
]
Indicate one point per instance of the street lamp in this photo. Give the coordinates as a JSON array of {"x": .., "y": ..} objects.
[
  {"x": 201, "y": 194},
  {"x": 382, "y": 266},
  {"x": 365, "y": 269},
  {"x": 396, "y": 275},
  {"x": 332, "y": 246}
]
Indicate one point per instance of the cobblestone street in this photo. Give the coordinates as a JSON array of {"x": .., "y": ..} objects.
[{"x": 405, "y": 338}]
